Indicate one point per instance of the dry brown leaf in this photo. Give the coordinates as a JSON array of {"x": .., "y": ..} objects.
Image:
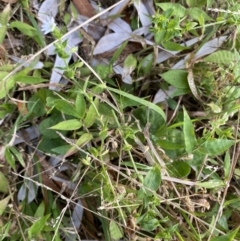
[
  {"x": 84, "y": 8},
  {"x": 2, "y": 52},
  {"x": 10, "y": 1}
]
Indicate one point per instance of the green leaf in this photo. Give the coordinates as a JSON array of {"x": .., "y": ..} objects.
[
  {"x": 178, "y": 169},
  {"x": 92, "y": 114},
  {"x": 37, "y": 226},
  {"x": 223, "y": 57},
  {"x": 115, "y": 230},
  {"x": 5, "y": 85},
  {"x": 146, "y": 64},
  {"x": 179, "y": 10},
  {"x": 4, "y": 17},
  {"x": 146, "y": 115},
  {"x": 82, "y": 141},
  {"x": 211, "y": 184},
  {"x": 68, "y": 125},
  {"x": 3, "y": 183},
  {"x": 174, "y": 46},
  {"x": 17, "y": 155},
  {"x": 80, "y": 105},
  {"x": 30, "y": 80},
  {"x": 24, "y": 28},
  {"x": 217, "y": 146},
  {"x": 188, "y": 131},
  {"x": 65, "y": 107},
  {"x": 3, "y": 204},
  {"x": 129, "y": 64},
  {"x": 140, "y": 100},
  {"x": 176, "y": 78},
  {"x": 197, "y": 13},
  {"x": 10, "y": 158},
  {"x": 227, "y": 165},
  {"x": 153, "y": 179},
  {"x": 227, "y": 237},
  {"x": 118, "y": 53}
]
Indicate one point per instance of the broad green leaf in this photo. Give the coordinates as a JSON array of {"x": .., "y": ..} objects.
[
  {"x": 24, "y": 28},
  {"x": 92, "y": 114},
  {"x": 129, "y": 64},
  {"x": 10, "y": 158},
  {"x": 217, "y": 146},
  {"x": 196, "y": 13},
  {"x": 103, "y": 70},
  {"x": 223, "y": 57},
  {"x": 176, "y": 78},
  {"x": 178, "y": 169},
  {"x": 195, "y": 3},
  {"x": 169, "y": 145},
  {"x": 4, "y": 17},
  {"x": 211, "y": 184},
  {"x": 153, "y": 179},
  {"x": 227, "y": 237},
  {"x": 65, "y": 107},
  {"x": 5, "y": 85},
  {"x": 140, "y": 100},
  {"x": 189, "y": 133},
  {"x": 115, "y": 230},
  {"x": 18, "y": 155},
  {"x": 179, "y": 10},
  {"x": 146, "y": 64},
  {"x": 3, "y": 183},
  {"x": 174, "y": 46},
  {"x": 146, "y": 115},
  {"x": 68, "y": 125},
  {"x": 3, "y": 204},
  {"x": 227, "y": 165},
  {"x": 37, "y": 226},
  {"x": 40, "y": 210},
  {"x": 82, "y": 141},
  {"x": 80, "y": 105},
  {"x": 6, "y": 109},
  {"x": 30, "y": 80}
]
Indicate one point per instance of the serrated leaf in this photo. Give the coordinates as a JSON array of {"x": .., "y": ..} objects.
[
  {"x": 179, "y": 10},
  {"x": 80, "y": 105},
  {"x": 92, "y": 114},
  {"x": 153, "y": 179},
  {"x": 115, "y": 230},
  {"x": 3, "y": 204},
  {"x": 3, "y": 183},
  {"x": 176, "y": 78},
  {"x": 68, "y": 125},
  {"x": 37, "y": 226},
  {"x": 217, "y": 146},
  {"x": 223, "y": 57}
]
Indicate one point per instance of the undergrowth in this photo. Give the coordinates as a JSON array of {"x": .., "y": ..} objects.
[{"x": 93, "y": 157}]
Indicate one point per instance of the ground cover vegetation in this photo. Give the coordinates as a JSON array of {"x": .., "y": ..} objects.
[{"x": 119, "y": 120}]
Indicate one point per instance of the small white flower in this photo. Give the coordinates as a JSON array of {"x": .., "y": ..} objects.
[{"x": 48, "y": 25}]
